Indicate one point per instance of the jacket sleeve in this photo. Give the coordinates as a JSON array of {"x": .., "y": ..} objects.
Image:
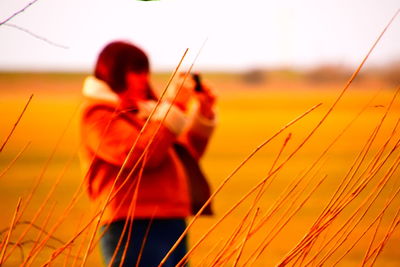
[
  {"x": 197, "y": 133},
  {"x": 111, "y": 137}
]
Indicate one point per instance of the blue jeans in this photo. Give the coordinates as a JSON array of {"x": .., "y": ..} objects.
[{"x": 162, "y": 235}]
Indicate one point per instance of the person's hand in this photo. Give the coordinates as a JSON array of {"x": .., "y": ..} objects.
[
  {"x": 206, "y": 99},
  {"x": 180, "y": 94}
]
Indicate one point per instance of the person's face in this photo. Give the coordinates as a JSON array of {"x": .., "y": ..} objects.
[{"x": 137, "y": 86}]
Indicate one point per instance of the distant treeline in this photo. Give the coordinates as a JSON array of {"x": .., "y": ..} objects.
[{"x": 327, "y": 73}]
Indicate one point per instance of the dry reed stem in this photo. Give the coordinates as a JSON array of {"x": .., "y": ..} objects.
[
  {"x": 287, "y": 139},
  {"x": 146, "y": 235},
  {"x": 129, "y": 220},
  {"x": 374, "y": 161},
  {"x": 377, "y": 220},
  {"x": 306, "y": 252},
  {"x": 46, "y": 165},
  {"x": 344, "y": 183},
  {"x": 284, "y": 196},
  {"x": 375, "y": 235},
  {"x": 374, "y": 164},
  {"x": 392, "y": 228},
  {"x": 372, "y": 138},
  {"x": 44, "y": 225},
  {"x": 238, "y": 168},
  {"x": 370, "y": 198},
  {"x": 4, "y": 244},
  {"x": 376, "y": 231},
  {"x": 67, "y": 257},
  {"x": 345, "y": 179},
  {"x": 261, "y": 191},
  {"x": 290, "y": 255},
  {"x": 252, "y": 257},
  {"x": 343, "y": 189},
  {"x": 329, "y": 219},
  {"x": 246, "y": 238},
  {"x": 75, "y": 198},
  {"x": 297, "y": 181},
  {"x": 265, "y": 186},
  {"x": 323, "y": 119},
  {"x": 56, "y": 225},
  {"x": 230, "y": 240},
  {"x": 8, "y": 167},
  {"x": 367, "y": 180},
  {"x": 316, "y": 231},
  {"x": 46, "y": 200},
  {"x": 123, "y": 199},
  {"x": 78, "y": 193},
  {"x": 85, "y": 238},
  {"x": 363, "y": 155},
  {"x": 265, "y": 218},
  {"x": 328, "y": 209},
  {"x": 319, "y": 221},
  {"x": 290, "y": 214},
  {"x": 369, "y": 255},
  {"x": 39, "y": 180},
  {"x": 287, "y": 196},
  {"x": 210, "y": 252},
  {"x": 219, "y": 188},
  {"x": 16, "y": 123}
]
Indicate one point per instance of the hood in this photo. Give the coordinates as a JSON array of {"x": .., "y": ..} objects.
[{"x": 96, "y": 89}]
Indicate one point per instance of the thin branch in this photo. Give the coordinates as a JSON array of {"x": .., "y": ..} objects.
[
  {"x": 36, "y": 227},
  {"x": 39, "y": 37},
  {"x": 18, "y": 12}
]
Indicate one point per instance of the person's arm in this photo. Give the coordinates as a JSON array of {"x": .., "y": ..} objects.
[
  {"x": 201, "y": 123},
  {"x": 111, "y": 138}
]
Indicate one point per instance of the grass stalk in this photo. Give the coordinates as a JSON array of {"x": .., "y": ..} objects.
[
  {"x": 219, "y": 188},
  {"x": 246, "y": 238},
  {"x": 291, "y": 253},
  {"x": 6, "y": 240},
  {"x": 16, "y": 123},
  {"x": 8, "y": 167}
]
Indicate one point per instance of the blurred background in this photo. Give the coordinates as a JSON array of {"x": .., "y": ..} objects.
[
  {"x": 268, "y": 61},
  {"x": 240, "y": 35}
]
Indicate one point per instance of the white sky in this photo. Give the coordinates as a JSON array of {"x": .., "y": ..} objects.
[{"x": 240, "y": 34}]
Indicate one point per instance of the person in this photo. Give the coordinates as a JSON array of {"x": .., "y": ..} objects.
[{"x": 145, "y": 163}]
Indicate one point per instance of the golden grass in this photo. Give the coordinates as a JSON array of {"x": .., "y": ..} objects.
[{"x": 248, "y": 115}]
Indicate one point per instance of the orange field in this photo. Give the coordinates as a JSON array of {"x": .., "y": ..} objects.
[{"x": 362, "y": 227}]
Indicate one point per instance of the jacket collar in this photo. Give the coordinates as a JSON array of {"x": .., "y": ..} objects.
[{"x": 96, "y": 89}]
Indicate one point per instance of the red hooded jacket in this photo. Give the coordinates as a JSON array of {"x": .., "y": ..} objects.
[{"x": 109, "y": 132}]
